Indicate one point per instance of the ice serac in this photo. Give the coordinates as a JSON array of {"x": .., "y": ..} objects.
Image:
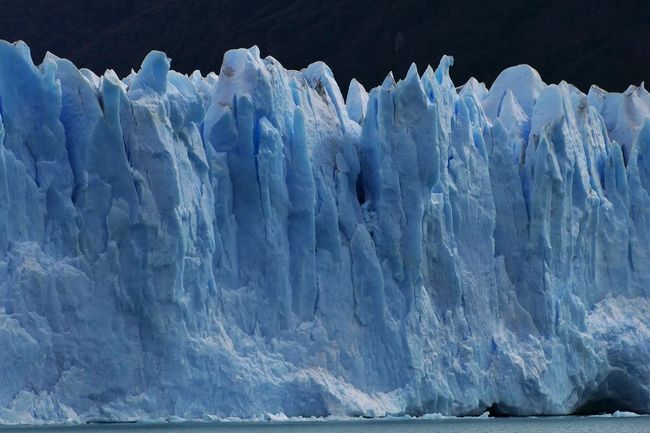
[{"x": 250, "y": 243}]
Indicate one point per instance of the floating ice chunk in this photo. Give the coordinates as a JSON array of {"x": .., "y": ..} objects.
[
  {"x": 433, "y": 416},
  {"x": 624, "y": 414}
]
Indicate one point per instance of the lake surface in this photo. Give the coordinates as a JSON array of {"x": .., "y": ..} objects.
[{"x": 501, "y": 425}]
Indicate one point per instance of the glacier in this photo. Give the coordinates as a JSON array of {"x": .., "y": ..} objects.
[{"x": 254, "y": 243}]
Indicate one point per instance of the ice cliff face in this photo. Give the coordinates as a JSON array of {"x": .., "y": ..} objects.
[{"x": 251, "y": 243}]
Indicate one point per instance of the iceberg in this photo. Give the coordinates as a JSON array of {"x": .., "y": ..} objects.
[{"x": 250, "y": 243}]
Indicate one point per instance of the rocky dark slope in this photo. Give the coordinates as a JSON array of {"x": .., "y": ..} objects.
[{"x": 583, "y": 42}]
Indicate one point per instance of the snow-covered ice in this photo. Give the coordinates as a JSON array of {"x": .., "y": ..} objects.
[{"x": 251, "y": 243}]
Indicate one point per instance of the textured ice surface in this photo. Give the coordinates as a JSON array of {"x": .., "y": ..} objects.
[{"x": 250, "y": 243}]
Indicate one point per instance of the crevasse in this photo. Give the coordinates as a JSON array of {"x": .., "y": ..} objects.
[{"x": 251, "y": 243}]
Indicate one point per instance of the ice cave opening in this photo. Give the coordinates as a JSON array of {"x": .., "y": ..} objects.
[{"x": 617, "y": 392}]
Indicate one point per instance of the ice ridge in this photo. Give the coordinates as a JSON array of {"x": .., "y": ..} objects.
[{"x": 250, "y": 242}]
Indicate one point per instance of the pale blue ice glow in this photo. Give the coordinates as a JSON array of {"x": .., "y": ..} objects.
[{"x": 251, "y": 243}]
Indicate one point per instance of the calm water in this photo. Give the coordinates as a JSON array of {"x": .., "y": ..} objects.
[{"x": 509, "y": 425}]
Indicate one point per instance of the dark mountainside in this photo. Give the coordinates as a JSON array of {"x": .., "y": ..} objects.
[{"x": 595, "y": 41}]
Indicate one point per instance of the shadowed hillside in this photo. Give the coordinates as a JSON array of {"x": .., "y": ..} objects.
[{"x": 583, "y": 42}]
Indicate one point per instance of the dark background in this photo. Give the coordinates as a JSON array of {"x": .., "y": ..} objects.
[{"x": 606, "y": 42}]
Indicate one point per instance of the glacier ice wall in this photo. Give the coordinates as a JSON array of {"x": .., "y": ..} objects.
[{"x": 251, "y": 243}]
